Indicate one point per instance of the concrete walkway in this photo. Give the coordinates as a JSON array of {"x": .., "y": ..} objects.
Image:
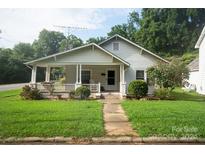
[
  {"x": 12, "y": 86},
  {"x": 116, "y": 122}
]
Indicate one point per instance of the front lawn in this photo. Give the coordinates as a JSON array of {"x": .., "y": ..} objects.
[
  {"x": 46, "y": 118},
  {"x": 184, "y": 117}
]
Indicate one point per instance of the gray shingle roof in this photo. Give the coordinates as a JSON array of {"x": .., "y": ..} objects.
[{"x": 194, "y": 65}]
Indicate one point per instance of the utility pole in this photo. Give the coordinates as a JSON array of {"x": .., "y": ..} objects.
[{"x": 67, "y": 31}]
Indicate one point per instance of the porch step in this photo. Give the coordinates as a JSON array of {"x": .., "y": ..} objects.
[{"x": 111, "y": 95}]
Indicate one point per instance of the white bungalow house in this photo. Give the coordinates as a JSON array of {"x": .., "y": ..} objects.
[
  {"x": 107, "y": 67},
  {"x": 197, "y": 67}
]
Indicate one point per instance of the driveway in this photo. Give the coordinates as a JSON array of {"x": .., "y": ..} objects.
[{"x": 12, "y": 86}]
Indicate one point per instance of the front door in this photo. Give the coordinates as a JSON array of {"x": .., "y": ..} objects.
[{"x": 111, "y": 80}]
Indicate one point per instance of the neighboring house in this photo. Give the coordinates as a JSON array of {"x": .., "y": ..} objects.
[
  {"x": 193, "y": 81},
  {"x": 197, "y": 67},
  {"x": 109, "y": 66}
]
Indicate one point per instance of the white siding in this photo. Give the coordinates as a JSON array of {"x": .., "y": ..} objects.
[
  {"x": 87, "y": 55},
  {"x": 202, "y": 67},
  {"x": 194, "y": 79},
  {"x": 139, "y": 60}
]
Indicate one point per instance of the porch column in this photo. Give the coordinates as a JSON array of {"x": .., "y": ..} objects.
[
  {"x": 122, "y": 80},
  {"x": 78, "y": 83},
  {"x": 145, "y": 75},
  {"x": 122, "y": 73},
  {"x": 33, "y": 74},
  {"x": 76, "y": 74},
  {"x": 47, "y": 79},
  {"x": 80, "y": 74}
]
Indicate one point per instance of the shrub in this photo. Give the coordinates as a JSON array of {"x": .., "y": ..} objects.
[
  {"x": 162, "y": 93},
  {"x": 168, "y": 75},
  {"x": 30, "y": 93},
  {"x": 83, "y": 92},
  {"x": 139, "y": 88}
]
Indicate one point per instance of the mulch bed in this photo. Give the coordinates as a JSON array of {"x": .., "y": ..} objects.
[{"x": 148, "y": 98}]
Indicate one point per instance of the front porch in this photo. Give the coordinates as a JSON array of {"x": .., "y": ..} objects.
[
  {"x": 88, "y": 65},
  {"x": 98, "y": 78}
]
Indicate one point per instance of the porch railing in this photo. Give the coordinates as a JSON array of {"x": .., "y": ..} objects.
[
  {"x": 123, "y": 88},
  {"x": 94, "y": 88}
]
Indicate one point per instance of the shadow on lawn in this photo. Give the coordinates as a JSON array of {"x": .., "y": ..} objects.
[{"x": 180, "y": 94}]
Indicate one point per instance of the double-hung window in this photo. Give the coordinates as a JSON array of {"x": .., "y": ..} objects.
[{"x": 140, "y": 74}]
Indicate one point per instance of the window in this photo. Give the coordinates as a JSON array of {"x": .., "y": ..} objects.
[
  {"x": 140, "y": 75},
  {"x": 85, "y": 76},
  {"x": 111, "y": 77},
  {"x": 115, "y": 46}
]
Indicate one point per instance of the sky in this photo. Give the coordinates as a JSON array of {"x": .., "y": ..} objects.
[{"x": 24, "y": 25}]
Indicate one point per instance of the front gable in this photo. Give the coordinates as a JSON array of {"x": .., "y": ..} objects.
[
  {"x": 128, "y": 50},
  {"x": 130, "y": 53},
  {"x": 88, "y": 54},
  {"x": 85, "y": 55}
]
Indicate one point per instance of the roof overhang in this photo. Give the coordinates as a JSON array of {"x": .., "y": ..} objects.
[
  {"x": 134, "y": 44},
  {"x": 75, "y": 49},
  {"x": 201, "y": 37}
]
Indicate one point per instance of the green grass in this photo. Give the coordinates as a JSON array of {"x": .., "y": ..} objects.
[
  {"x": 182, "y": 95},
  {"x": 46, "y": 118},
  {"x": 184, "y": 117}
]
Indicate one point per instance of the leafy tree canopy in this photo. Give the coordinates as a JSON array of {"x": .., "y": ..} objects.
[
  {"x": 23, "y": 51},
  {"x": 163, "y": 31},
  {"x": 129, "y": 29},
  {"x": 12, "y": 69},
  {"x": 48, "y": 43},
  {"x": 70, "y": 42},
  {"x": 96, "y": 40}
]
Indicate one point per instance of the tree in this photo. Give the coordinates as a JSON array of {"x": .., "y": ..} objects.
[
  {"x": 23, "y": 52},
  {"x": 12, "y": 69},
  {"x": 70, "y": 42},
  {"x": 119, "y": 29},
  {"x": 128, "y": 29},
  {"x": 125, "y": 30},
  {"x": 166, "y": 32},
  {"x": 48, "y": 43},
  {"x": 4, "y": 60},
  {"x": 168, "y": 75},
  {"x": 170, "y": 31},
  {"x": 96, "y": 40}
]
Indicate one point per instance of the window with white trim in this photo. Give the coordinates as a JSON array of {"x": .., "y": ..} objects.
[
  {"x": 115, "y": 46},
  {"x": 85, "y": 76},
  {"x": 140, "y": 74}
]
